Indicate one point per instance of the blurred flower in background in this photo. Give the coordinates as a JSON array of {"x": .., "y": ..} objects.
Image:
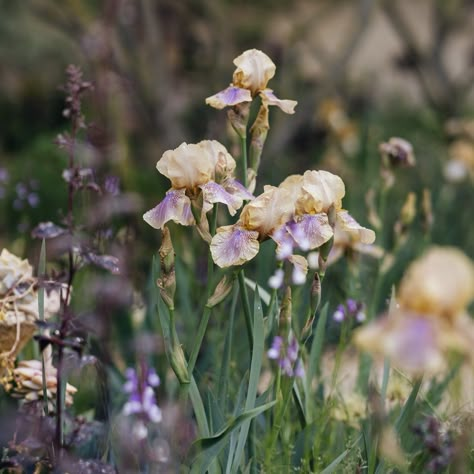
[
  {"x": 141, "y": 403},
  {"x": 430, "y": 319},
  {"x": 287, "y": 355}
]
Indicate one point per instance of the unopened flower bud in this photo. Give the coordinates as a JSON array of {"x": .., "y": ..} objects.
[
  {"x": 315, "y": 297},
  {"x": 238, "y": 117},
  {"x": 259, "y": 131},
  {"x": 167, "y": 282},
  {"x": 323, "y": 255},
  {"x": 223, "y": 288},
  {"x": 408, "y": 211},
  {"x": 178, "y": 363},
  {"x": 427, "y": 210}
]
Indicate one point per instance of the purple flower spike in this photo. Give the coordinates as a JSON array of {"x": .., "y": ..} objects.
[
  {"x": 274, "y": 351},
  {"x": 142, "y": 400},
  {"x": 287, "y": 357}
]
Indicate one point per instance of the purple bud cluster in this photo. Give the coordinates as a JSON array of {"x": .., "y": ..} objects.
[
  {"x": 26, "y": 195},
  {"x": 141, "y": 399},
  {"x": 351, "y": 309},
  {"x": 287, "y": 356}
]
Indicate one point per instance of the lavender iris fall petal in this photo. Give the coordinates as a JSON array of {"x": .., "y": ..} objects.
[
  {"x": 234, "y": 245},
  {"x": 176, "y": 207}
]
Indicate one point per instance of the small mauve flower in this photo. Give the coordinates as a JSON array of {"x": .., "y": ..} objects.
[
  {"x": 339, "y": 315},
  {"x": 350, "y": 309},
  {"x": 287, "y": 356},
  {"x": 276, "y": 280},
  {"x": 254, "y": 70}
]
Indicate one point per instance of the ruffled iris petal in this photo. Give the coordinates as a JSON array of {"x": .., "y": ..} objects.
[
  {"x": 348, "y": 224},
  {"x": 310, "y": 231},
  {"x": 213, "y": 192},
  {"x": 233, "y": 245},
  {"x": 176, "y": 207},
  {"x": 230, "y": 96},
  {"x": 269, "y": 98},
  {"x": 232, "y": 186}
]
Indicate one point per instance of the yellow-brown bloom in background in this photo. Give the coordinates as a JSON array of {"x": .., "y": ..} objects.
[
  {"x": 26, "y": 382},
  {"x": 19, "y": 304},
  {"x": 431, "y": 319},
  {"x": 254, "y": 70}
]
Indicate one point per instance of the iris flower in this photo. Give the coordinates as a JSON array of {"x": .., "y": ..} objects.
[
  {"x": 431, "y": 318},
  {"x": 295, "y": 214},
  {"x": 254, "y": 70},
  {"x": 204, "y": 169}
]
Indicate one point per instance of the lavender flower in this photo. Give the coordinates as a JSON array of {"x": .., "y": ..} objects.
[
  {"x": 287, "y": 356},
  {"x": 350, "y": 309},
  {"x": 142, "y": 401},
  {"x": 25, "y": 194}
]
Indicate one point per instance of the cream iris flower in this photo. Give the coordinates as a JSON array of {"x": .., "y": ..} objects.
[
  {"x": 254, "y": 70},
  {"x": 294, "y": 215},
  {"x": 431, "y": 319},
  {"x": 317, "y": 193},
  {"x": 239, "y": 243},
  {"x": 204, "y": 168}
]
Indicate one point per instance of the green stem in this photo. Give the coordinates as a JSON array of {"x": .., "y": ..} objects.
[
  {"x": 246, "y": 306},
  {"x": 199, "y": 338},
  {"x": 207, "y": 311},
  {"x": 224, "y": 375},
  {"x": 243, "y": 149}
]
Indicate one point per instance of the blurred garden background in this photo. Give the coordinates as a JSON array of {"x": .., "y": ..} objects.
[{"x": 361, "y": 71}]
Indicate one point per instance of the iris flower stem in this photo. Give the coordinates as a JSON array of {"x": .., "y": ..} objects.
[
  {"x": 246, "y": 306},
  {"x": 203, "y": 323},
  {"x": 243, "y": 149}
]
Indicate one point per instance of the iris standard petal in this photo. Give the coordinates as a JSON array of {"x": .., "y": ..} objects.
[
  {"x": 234, "y": 245},
  {"x": 176, "y": 207},
  {"x": 213, "y": 192},
  {"x": 320, "y": 191},
  {"x": 286, "y": 105},
  {"x": 187, "y": 166},
  {"x": 231, "y": 96},
  {"x": 254, "y": 70}
]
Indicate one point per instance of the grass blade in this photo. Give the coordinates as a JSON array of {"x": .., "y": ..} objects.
[
  {"x": 210, "y": 447},
  {"x": 255, "y": 367}
]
